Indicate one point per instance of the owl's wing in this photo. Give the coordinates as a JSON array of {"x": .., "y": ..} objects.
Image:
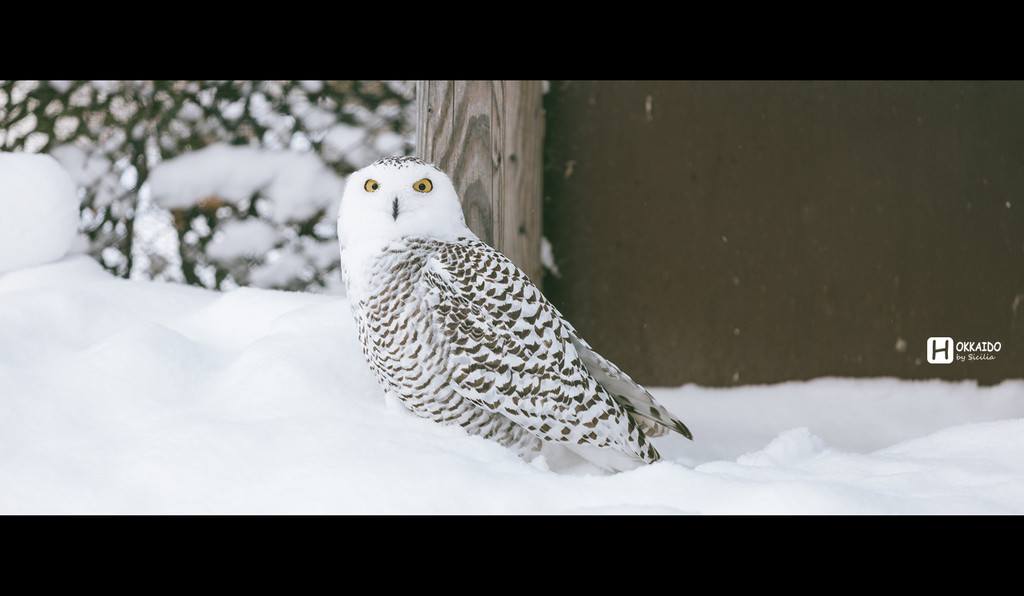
[{"x": 516, "y": 355}]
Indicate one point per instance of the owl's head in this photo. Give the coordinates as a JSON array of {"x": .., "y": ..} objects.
[{"x": 396, "y": 197}]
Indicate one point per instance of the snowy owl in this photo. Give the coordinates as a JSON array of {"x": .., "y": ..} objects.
[{"x": 460, "y": 335}]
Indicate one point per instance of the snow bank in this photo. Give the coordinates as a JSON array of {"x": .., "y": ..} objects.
[
  {"x": 137, "y": 397},
  {"x": 38, "y": 210}
]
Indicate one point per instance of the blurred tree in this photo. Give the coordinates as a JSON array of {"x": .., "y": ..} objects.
[{"x": 112, "y": 135}]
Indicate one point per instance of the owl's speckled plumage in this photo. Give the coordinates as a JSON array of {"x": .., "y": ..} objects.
[{"x": 461, "y": 336}]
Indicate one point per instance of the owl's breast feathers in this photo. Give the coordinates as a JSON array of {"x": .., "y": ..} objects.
[{"x": 465, "y": 317}]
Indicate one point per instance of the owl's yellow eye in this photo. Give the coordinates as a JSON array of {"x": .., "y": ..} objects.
[
  {"x": 371, "y": 185},
  {"x": 423, "y": 185}
]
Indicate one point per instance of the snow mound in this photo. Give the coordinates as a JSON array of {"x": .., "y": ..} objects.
[
  {"x": 38, "y": 211},
  {"x": 791, "y": 446},
  {"x": 139, "y": 397}
]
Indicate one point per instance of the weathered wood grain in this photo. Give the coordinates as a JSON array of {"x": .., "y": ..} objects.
[{"x": 488, "y": 136}]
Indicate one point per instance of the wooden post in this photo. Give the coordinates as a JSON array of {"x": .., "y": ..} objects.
[{"x": 488, "y": 137}]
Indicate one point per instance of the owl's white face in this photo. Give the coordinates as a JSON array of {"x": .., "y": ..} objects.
[{"x": 398, "y": 197}]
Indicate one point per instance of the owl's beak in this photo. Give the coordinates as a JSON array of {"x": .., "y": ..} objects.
[{"x": 394, "y": 209}]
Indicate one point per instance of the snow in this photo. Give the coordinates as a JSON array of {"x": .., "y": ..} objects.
[
  {"x": 39, "y": 220},
  {"x": 297, "y": 185},
  {"x": 143, "y": 397},
  {"x": 242, "y": 238}
]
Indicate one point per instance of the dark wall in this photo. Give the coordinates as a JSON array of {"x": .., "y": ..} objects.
[{"x": 726, "y": 233}]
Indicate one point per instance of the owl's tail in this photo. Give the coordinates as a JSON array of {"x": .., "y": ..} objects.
[{"x": 652, "y": 418}]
